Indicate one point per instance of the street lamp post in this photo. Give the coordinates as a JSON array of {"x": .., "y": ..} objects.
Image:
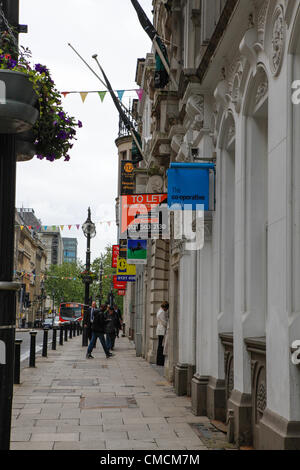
[
  {"x": 42, "y": 300},
  {"x": 100, "y": 284},
  {"x": 53, "y": 300},
  {"x": 7, "y": 286},
  {"x": 111, "y": 295},
  {"x": 89, "y": 230}
]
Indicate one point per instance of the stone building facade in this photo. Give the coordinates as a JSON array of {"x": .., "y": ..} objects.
[
  {"x": 29, "y": 270},
  {"x": 234, "y": 305}
]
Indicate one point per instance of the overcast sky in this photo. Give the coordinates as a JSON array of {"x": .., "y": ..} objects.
[{"x": 60, "y": 192}]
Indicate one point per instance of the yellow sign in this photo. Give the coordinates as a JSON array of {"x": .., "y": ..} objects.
[{"x": 124, "y": 269}]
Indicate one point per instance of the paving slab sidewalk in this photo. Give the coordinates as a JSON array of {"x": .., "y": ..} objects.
[{"x": 68, "y": 402}]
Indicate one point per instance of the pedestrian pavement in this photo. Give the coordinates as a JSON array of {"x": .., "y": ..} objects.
[{"x": 68, "y": 402}]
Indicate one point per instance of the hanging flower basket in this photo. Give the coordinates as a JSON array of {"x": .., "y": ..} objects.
[
  {"x": 18, "y": 102},
  {"x": 88, "y": 277},
  {"x": 29, "y": 100}
]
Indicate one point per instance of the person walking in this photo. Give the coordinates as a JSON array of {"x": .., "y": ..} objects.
[
  {"x": 88, "y": 319},
  {"x": 162, "y": 317},
  {"x": 119, "y": 315},
  {"x": 112, "y": 323},
  {"x": 98, "y": 330}
]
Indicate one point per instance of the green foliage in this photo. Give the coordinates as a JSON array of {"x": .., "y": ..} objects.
[{"x": 65, "y": 282}]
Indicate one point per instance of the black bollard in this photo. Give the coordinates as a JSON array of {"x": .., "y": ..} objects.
[
  {"x": 61, "y": 335},
  {"x": 85, "y": 336},
  {"x": 45, "y": 343},
  {"x": 123, "y": 329},
  {"x": 32, "y": 348},
  {"x": 70, "y": 335},
  {"x": 66, "y": 331},
  {"x": 54, "y": 338},
  {"x": 18, "y": 343}
]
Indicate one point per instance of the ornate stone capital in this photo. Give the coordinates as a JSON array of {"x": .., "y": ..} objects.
[
  {"x": 247, "y": 46},
  {"x": 176, "y": 142},
  {"x": 183, "y": 154},
  {"x": 277, "y": 41},
  {"x": 195, "y": 110},
  {"x": 262, "y": 91},
  {"x": 155, "y": 184}
]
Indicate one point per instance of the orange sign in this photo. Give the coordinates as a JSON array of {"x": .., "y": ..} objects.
[{"x": 143, "y": 213}]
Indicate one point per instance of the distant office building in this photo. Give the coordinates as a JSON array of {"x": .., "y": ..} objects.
[
  {"x": 70, "y": 250},
  {"x": 54, "y": 246},
  {"x": 50, "y": 238}
]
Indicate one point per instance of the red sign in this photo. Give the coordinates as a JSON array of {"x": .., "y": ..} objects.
[
  {"x": 115, "y": 254},
  {"x": 122, "y": 292},
  {"x": 119, "y": 284},
  {"x": 145, "y": 214}
]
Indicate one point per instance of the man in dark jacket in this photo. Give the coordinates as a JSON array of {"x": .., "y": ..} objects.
[
  {"x": 119, "y": 315},
  {"x": 112, "y": 324},
  {"x": 98, "y": 330}
]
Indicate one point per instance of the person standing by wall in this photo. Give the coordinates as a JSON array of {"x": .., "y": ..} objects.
[{"x": 162, "y": 317}]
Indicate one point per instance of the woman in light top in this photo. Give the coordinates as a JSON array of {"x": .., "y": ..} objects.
[{"x": 162, "y": 317}]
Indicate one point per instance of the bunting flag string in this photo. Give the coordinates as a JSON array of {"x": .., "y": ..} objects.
[
  {"x": 83, "y": 95},
  {"x": 120, "y": 94},
  {"x": 53, "y": 228},
  {"x": 102, "y": 94},
  {"x": 44, "y": 276}
]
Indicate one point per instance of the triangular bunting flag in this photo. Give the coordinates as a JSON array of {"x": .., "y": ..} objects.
[
  {"x": 83, "y": 95},
  {"x": 53, "y": 227},
  {"x": 102, "y": 95},
  {"x": 30, "y": 227},
  {"x": 61, "y": 227},
  {"x": 21, "y": 227},
  {"x": 69, "y": 227},
  {"x": 140, "y": 93},
  {"x": 45, "y": 227},
  {"x": 109, "y": 223},
  {"x": 77, "y": 225},
  {"x": 65, "y": 93},
  {"x": 120, "y": 94}
]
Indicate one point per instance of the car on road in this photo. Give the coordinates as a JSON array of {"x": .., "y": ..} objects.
[
  {"x": 56, "y": 321},
  {"x": 48, "y": 323}
]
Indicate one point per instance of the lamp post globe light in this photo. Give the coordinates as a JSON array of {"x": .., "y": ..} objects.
[{"x": 89, "y": 231}]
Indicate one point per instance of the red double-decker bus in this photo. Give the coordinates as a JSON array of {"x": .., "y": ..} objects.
[{"x": 70, "y": 312}]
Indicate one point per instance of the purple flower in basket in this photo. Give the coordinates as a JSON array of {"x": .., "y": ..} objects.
[
  {"x": 62, "y": 135},
  {"x": 40, "y": 68}
]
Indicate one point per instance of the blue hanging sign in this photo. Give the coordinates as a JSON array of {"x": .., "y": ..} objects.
[
  {"x": 188, "y": 183},
  {"x": 126, "y": 278}
]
